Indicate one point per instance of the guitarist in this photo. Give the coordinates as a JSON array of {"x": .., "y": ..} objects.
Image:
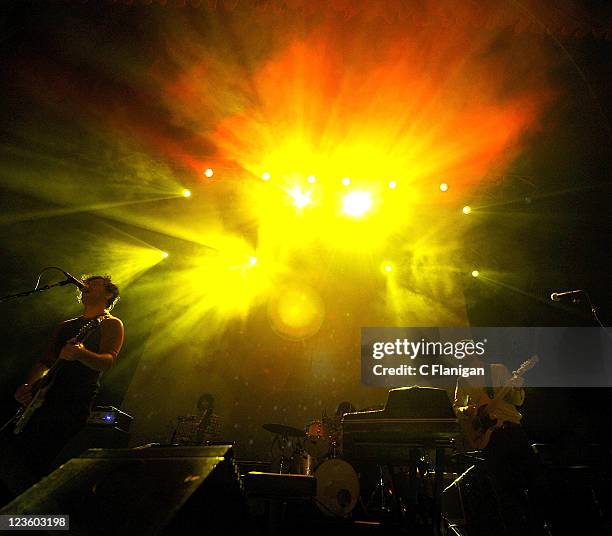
[
  {"x": 74, "y": 367},
  {"x": 509, "y": 460}
]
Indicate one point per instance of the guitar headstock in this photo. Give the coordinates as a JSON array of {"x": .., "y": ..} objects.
[{"x": 527, "y": 365}]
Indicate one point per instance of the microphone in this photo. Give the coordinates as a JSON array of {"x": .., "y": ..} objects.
[
  {"x": 71, "y": 280},
  {"x": 569, "y": 294}
]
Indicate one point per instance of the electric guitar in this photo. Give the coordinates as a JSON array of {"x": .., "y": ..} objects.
[
  {"x": 478, "y": 428},
  {"x": 41, "y": 387}
]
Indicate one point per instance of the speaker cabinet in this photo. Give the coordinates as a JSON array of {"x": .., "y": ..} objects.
[{"x": 155, "y": 490}]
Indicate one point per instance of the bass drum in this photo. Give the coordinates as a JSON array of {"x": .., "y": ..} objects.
[{"x": 337, "y": 487}]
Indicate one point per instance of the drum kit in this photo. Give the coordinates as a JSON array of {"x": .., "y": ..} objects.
[{"x": 315, "y": 451}]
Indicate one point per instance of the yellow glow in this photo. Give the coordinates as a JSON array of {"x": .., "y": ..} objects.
[
  {"x": 252, "y": 260},
  {"x": 443, "y": 187},
  {"x": 388, "y": 268},
  {"x": 296, "y": 312},
  {"x": 467, "y": 209},
  {"x": 209, "y": 172},
  {"x": 475, "y": 273},
  {"x": 300, "y": 199},
  {"x": 311, "y": 179},
  {"x": 356, "y": 204},
  {"x": 186, "y": 193},
  {"x": 265, "y": 175},
  {"x": 346, "y": 181},
  {"x": 164, "y": 254},
  {"x": 392, "y": 184}
]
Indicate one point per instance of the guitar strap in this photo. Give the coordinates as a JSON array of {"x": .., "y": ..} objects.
[{"x": 489, "y": 381}]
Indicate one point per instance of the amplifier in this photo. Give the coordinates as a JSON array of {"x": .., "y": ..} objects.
[{"x": 110, "y": 416}]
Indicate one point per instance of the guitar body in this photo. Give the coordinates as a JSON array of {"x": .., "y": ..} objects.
[
  {"x": 24, "y": 414},
  {"x": 478, "y": 429}
]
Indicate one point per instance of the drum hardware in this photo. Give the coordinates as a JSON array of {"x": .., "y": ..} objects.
[
  {"x": 380, "y": 491},
  {"x": 291, "y": 451}
]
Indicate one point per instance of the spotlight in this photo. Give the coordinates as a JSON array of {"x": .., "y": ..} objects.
[
  {"x": 388, "y": 268},
  {"x": 300, "y": 199},
  {"x": 475, "y": 273},
  {"x": 164, "y": 254},
  {"x": 443, "y": 187},
  {"x": 392, "y": 184},
  {"x": 311, "y": 179},
  {"x": 467, "y": 209},
  {"x": 186, "y": 193},
  {"x": 252, "y": 260},
  {"x": 356, "y": 204},
  {"x": 265, "y": 176},
  {"x": 209, "y": 172},
  {"x": 346, "y": 181}
]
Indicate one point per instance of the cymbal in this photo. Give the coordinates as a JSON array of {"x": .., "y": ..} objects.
[{"x": 281, "y": 429}]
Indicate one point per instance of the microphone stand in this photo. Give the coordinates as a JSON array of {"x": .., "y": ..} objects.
[
  {"x": 37, "y": 289},
  {"x": 33, "y": 291}
]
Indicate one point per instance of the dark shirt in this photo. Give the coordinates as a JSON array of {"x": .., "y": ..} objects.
[{"x": 75, "y": 384}]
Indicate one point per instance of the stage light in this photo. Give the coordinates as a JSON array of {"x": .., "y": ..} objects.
[
  {"x": 475, "y": 273},
  {"x": 252, "y": 260},
  {"x": 356, "y": 204},
  {"x": 209, "y": 172},
  {"x": 300, "y": 199},
  {"x": 186, "y": 193},
  {"x": 164, "y": 254},
  {"x": 346, "y": 181},
  {"x": 467, "y": 209},
  {"x": 392, "y": 184},
  {"x": 311, "y": 179},
  {"x": 265, "y": 176},
  {"x": 443, "y": 187}
]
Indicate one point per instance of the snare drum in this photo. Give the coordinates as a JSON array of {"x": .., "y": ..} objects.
[
  {"x": 337, "y": 487},
  {"x": 317, "y": 440}
]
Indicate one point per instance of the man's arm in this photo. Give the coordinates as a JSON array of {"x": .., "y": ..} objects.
[
  {"x": 111, "y": 340},
  {"x": 461, "y": 404},
  {"x": 516, "y": 396}
]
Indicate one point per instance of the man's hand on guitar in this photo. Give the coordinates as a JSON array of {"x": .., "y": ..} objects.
[
  {"x": 469, "y": 411},
  {"x": 71, "y": 351},
  {"x": 23, "y": 395},
  {"x": 516, "y": 382}
]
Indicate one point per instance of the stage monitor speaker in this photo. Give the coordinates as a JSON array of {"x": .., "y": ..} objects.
[{"x": 156, "y": 490}]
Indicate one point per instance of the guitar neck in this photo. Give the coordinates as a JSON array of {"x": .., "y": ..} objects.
[{"x": 507, "y": 387}]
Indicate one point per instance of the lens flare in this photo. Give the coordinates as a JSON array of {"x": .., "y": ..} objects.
[{"x": 296, "y": 312}]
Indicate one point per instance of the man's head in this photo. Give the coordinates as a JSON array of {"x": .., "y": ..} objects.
[
  {"x": 205, "y": 402},
  {"x": 100, "y": 288}
]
